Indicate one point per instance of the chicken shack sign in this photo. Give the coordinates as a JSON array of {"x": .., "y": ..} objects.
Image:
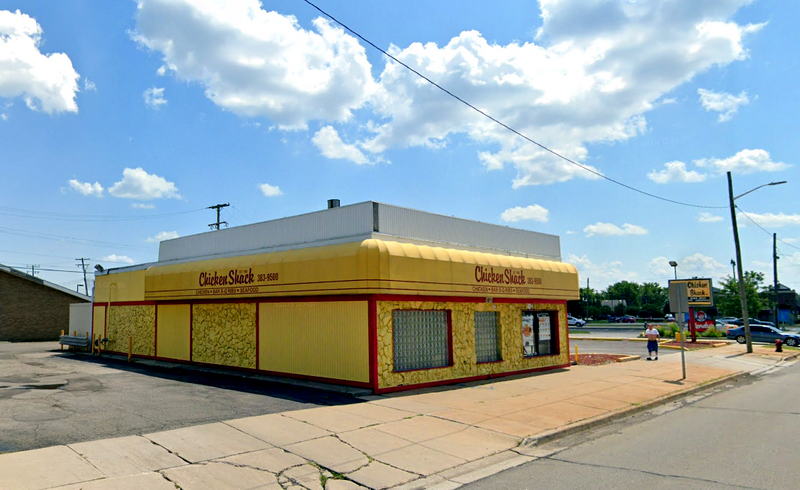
[{"x": 698, "y": 291}]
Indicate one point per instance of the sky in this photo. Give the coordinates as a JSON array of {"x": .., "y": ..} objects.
[{"x": 120, "y": 122}]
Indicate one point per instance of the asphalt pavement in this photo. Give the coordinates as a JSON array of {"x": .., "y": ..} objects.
[
  {"x": 48, "y": 397},
  {"x": 616, "y": 347},
  {"x": 744, "y": 435}
]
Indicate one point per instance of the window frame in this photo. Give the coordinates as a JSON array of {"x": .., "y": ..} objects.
[
  {"x": 555, "y": 333},
  {"x": 449, "y": 338}
]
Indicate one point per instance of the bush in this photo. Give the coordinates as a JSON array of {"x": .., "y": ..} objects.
[
  {"x": 668, "y": 330},
  {"x": 712, "y": 333}
]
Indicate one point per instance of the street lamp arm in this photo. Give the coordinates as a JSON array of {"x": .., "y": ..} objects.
[{"x": 757, "y": 188}]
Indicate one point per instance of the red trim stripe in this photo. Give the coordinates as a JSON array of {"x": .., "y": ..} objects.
[
  {"x": 372, "y": 326},
  {"x": 346, "y": 382},
  {"x": 468, "y": 379}
]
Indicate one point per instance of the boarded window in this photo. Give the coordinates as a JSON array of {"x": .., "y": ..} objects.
[
  {"x": 487, "y": 336},
  {"x": 421, "y": 339}
]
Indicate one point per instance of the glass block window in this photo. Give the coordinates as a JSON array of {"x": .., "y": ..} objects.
[
  {"x": 421, "y": 339},
  {"x": 487, "y": 336}
]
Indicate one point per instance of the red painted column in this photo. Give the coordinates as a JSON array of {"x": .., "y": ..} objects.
[{"x": 692, "y": 326}]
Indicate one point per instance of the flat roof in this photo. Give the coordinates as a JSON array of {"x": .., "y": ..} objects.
[{"x": 357, "y": 222}]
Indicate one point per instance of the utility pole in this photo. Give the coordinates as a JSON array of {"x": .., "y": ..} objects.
[
  {"x": 83, "y": 265},
  {"x": 33, "y": 269},
  {"x": 218, "y": 207},
  {"x": 742, "y": 293},
  {"x": 775, "y": 273}
]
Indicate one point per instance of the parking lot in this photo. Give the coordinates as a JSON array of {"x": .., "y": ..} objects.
[{"x": 50, "y": 397}]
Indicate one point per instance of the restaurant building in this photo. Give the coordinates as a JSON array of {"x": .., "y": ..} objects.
[{"x": 368, "y": 295}]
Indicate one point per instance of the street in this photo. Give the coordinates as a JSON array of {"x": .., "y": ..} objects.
[
  {"x": 745, "y": 436},
  {"x": 615, "y": 347}
]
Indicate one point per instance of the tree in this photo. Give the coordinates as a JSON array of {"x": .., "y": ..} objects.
[
  {"x": 652, "y": 298},
  {"x": 728, "y": 302},
  {"x": 629, "y": 291}
]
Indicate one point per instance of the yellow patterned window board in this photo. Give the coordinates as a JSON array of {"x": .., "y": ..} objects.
[{"x": 224, "y": 334}]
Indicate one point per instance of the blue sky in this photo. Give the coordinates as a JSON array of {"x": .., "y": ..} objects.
[{"x": 121, "y": 121}]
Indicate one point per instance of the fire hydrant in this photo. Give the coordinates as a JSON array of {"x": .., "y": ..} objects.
[{"x": 778, "y": 345}]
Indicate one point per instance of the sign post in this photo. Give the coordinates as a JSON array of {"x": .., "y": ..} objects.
[
  {"x": 678, "y": 305},
  {"x": 684, "y": 295}
]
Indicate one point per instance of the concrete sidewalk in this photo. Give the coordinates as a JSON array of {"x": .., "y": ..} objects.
[{"x": 435, "y": 438}]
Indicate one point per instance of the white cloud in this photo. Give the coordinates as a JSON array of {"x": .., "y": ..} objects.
[
  {"x": 270, "y": 190},
  {"x": 746, "y": 161},
  {"x": 255, "y": 62},
  {"x": 706, "y": 217},
  {"x": 676, "y": 172},
  {"x": 591, "y": 74},
  {"x": 610, "y": 229},
  {"x": 534, "y": 212},
  {"x": 791, "y": 240},
  {"x": 154, "y": 97},
  {"x": 770, "y": 220},
  {"x": 594, "y": 71},
  {"x": 163, "y": 235},
  {"x": 724, "y": 103},
  {"x": 121, "y": 259},
  {"x": 89, "y": 86},
  {"x": 86, "y": 188},
  {"x": 694, "y": 265},
  {"x": 142, "y": 205},
  {"x": 137, "y": 184},
  {"x": 600, "y": 274},
  {"x": 46, "y": 82},
  {"x": 331, "y": 146}
]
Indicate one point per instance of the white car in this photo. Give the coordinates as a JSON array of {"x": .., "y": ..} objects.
[{"x": 575, "y": 322}]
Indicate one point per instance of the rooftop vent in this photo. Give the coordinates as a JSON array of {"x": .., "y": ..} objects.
[{"x": 333, "y": 203}]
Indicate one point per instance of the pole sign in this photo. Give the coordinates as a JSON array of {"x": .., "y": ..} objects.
[{"x": 698, "y": 291}]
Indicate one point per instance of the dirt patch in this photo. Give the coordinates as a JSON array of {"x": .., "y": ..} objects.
[{"x": 597, "y": 359}]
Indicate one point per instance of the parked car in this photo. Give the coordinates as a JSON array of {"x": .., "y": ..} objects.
[
  {"x": 753, "y": 321},
  {"x": 764, "y": 333},
  {"x": 575, "y": 322},
  {"x": 627, "y": 319},
  {"x": 669, "y": 317},
  {"x": 726, "y": 319}
]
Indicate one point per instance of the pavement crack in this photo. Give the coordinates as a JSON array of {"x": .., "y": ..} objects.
[
  {"x": 169, "y": 480},
  {"x": 653, "y": 473},
  {"x": 165, "y": 448}
]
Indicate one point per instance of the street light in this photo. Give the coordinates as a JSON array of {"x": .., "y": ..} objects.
[
  {"x": 742, "y": 294},
  {"x": 733, "y": 270},
  {"x": 674, "y": 267}
]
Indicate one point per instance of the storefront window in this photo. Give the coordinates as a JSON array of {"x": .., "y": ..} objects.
[
  {"x": 421, "y": 339},
  {"x": 487, "y": 336},
  {"x": 539, "y": 333}
]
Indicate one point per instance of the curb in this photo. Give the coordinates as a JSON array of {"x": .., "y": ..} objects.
[
  {"x": 604, "y": 419},
  {"x": 628, "y": 358}
]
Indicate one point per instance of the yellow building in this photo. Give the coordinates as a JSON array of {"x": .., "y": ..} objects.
[{"x": 367, "y": 295}]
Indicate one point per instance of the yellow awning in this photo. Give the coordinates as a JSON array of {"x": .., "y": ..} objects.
[{"x": 368, "y": 267}]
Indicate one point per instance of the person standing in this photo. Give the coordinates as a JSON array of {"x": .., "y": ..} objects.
[{"x": 651, "y": 333}]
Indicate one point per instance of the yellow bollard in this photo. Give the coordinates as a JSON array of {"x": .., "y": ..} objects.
[
  {"x": 130, "y": 348},
  {"x": 576, "y": 354}
]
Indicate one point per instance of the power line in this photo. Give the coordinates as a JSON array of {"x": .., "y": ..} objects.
[
  {"x": 504, "y": 125},
  {"x": 764, "y": 229},
  {"x": 51, "y": 236},
  {"x": 51, "y": 215}
]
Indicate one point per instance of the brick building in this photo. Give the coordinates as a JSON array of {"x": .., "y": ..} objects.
[{"x": 32, "y": 308}]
